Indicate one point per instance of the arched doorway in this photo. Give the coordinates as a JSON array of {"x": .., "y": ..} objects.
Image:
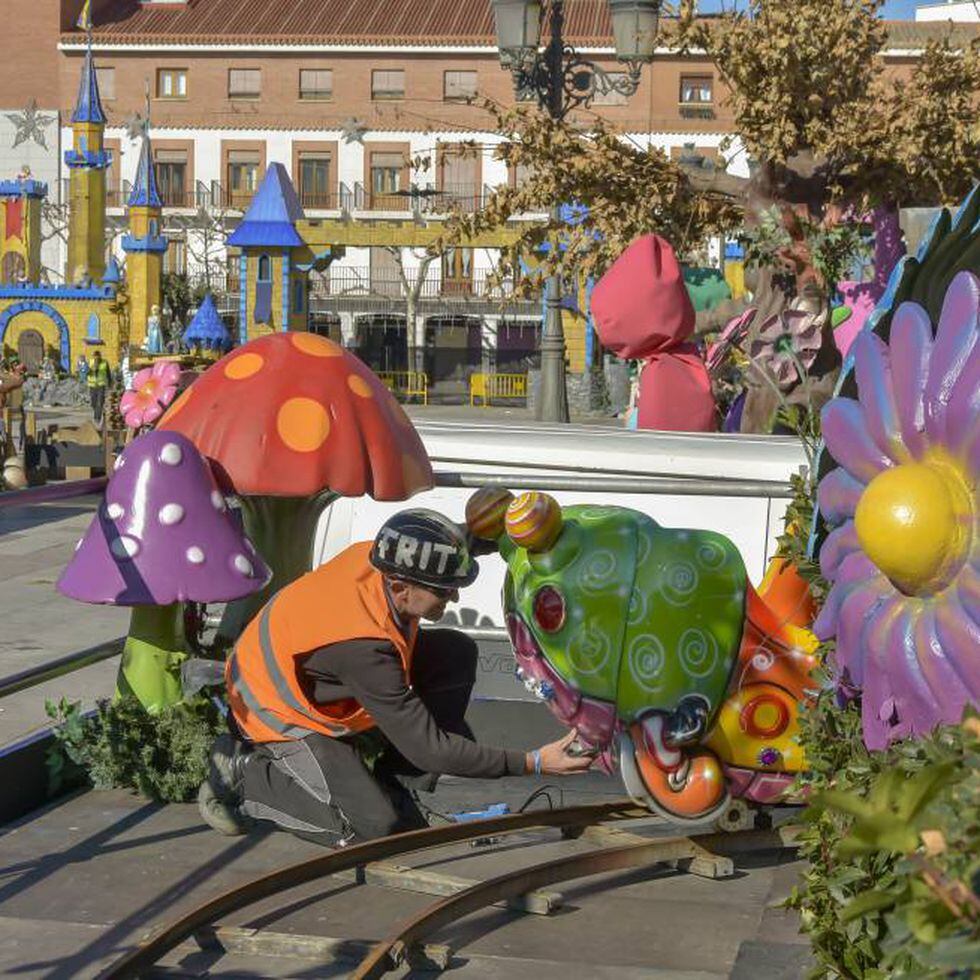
[
  {"x": 14, "y": 269},
  {"x": 30, "y": 350}
]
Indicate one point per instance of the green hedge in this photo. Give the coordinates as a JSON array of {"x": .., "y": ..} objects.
[
  {"x": 893, "y": 844},
  {"x": 162, "y": 756}
]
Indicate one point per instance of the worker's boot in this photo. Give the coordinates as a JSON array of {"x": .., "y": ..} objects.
[{"x": 220, "y": 797}]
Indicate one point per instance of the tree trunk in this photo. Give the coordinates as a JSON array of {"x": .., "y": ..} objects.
[
  {"x": 283, "y": 530},
  {"x": 889, "y": 247}
]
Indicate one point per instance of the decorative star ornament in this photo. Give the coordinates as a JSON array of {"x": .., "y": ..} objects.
[
  {"x": 30, "y": 124},
  {"x": 352, "y": 131},
  {"x": 136, "y": 126}
]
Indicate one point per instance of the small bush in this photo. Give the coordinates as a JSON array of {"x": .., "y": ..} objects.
[
  {"x": 162, "y": 756},
  {"x": 893, "y": 844}
]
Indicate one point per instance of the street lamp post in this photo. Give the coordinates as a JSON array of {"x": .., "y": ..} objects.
[{"x": 560, "y": 81}]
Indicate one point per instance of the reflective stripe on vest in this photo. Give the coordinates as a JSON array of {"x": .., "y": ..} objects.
[
  {"x": 278, "y": 679},
  {"x": 271, "y": 721}
]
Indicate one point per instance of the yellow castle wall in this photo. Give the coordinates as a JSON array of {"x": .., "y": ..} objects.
[
  {"x": 76, "y": 314},
  {"x": 87, "y": 202}
]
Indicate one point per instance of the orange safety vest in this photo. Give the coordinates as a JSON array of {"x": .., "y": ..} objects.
[{"x": 342, "y": 600}]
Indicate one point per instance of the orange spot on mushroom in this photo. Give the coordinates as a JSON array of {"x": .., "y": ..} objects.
[
  {"x": 310, "y": 343},
  {"x": 177, "y": 406},
  {"x": 303, "y": 424},
  {"x": 244, "y": 366},
  {"x": 359, "y": 386}
]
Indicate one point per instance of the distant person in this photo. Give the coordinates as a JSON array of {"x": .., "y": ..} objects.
[
  {"x": 81, "y": 368},
  {"x": 11, "y": 397},
  {"x": 98, "y": 383},
  {"x": 48, "y": 372}
]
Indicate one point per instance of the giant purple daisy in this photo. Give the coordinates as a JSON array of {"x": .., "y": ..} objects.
[{"x": 904, "y": 555}]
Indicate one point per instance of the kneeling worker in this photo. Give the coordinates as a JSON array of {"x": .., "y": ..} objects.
[{"x": 344, "y": 704}]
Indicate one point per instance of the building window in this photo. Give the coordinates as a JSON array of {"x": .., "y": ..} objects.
[
  {"x": 458, "y": 86},
  {"x": 171, "y": 174},
  {"x": 244, "y": 83},
  {"x": 243, "y": 176},
  {"x": 299, "y": 296},
  {"x": 314, "y": 180},
  {"x": 612, "y": 97},
  {"x": 171, "y": 83},
  {"x": 386, "y": 181},
  {"x": 265, "y": 269},
  {"x": 316, "y": 84},
  {"x": 106, "y": 80},
  {"x": 696, "y": 90},
  {"x": 388, "y": 84},
  {"x": 175, "y": 258}
]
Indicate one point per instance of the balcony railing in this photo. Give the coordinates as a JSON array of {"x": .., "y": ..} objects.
[
  {"x": 367, "y": 283},
  {"x": 422, "y": 200}
]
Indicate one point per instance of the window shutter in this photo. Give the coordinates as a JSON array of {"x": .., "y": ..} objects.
[
  {"x": 459, "y": 84},
  {"x": 244, "y": 81},
  {"x": 170, "y": 156},
  {"x": 388, "y": 160}
]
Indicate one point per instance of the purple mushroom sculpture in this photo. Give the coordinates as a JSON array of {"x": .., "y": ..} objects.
[{"x": 163, "y": 536}]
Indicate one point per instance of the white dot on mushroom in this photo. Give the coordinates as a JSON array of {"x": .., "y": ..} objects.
[
  {"x": 243, "y": 565},
  {"x": 217, "y": 501},
  {"x": 124, "y": 546},
  {"x": 171, "y": 514},
  {"x": 114, "y": 512},
  {"x": 171, "y": 454},
  {"x": 195, "y": 556}
]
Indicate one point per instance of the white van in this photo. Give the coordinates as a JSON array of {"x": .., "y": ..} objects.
[{"x": 737, "y": 485}]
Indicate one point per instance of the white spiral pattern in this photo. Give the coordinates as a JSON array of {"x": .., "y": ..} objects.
[
  {"x": 588, "y": 652},
  {"x": 644, "y": 544},
  {"x": 763, "y": 659},
  {"x": 637, "y": 611},
  {"x": 598, "y": 573},
  {"x": 645, "y": 660},
  {"x": 711, "y": 555},
  {"x": 697, "y": 652},
  {"x": 590, "y": 514},
  {"x": 680, "y": 582}
]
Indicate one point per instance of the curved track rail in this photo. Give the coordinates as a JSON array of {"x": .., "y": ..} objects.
[{"x": 627, "y": 851}]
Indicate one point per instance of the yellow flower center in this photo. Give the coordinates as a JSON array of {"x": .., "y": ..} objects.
[{"x": 915, "y": 522}]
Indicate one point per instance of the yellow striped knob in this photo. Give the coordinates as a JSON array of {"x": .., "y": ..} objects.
[
  {"x": 486, "y": 512},
  {"x": 534, "y": 521}
]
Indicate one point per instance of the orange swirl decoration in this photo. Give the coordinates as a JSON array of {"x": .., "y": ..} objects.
[
  {"x": 534, "y": 521},
  {"x": 486, "y": 512}
]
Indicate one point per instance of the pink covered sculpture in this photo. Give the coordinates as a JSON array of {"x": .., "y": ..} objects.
[{"x": 642, "y": 310}]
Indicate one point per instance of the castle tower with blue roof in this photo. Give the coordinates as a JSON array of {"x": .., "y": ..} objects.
[
  {"x": 145, "y": 245},
  {"x": 275, "y": 259},
  {"x": 87, "y": 162}
]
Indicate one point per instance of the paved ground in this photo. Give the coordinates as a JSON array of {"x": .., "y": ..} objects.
[{"x": 80, "y": 883}]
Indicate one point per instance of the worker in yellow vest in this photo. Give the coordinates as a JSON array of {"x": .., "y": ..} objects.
[
  {"x": 98, "y": 384},
  {"x": 343, "y": 706}
]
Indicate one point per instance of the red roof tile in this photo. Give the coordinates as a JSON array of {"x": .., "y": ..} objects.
[{"x": 463, "y": 23}]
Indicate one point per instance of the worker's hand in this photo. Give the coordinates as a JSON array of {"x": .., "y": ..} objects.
[{"x": 556, "y": 760}]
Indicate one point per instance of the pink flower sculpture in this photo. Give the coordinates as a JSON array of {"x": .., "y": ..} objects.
[
  {"x": 786, "y": 342},
  {"x": 904, "y": 557},
  {"x": 152, "y": 391}
]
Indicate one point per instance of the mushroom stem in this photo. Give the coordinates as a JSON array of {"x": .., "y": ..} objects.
[
  {"x": 151, "y": 658},
  {"x": 283, "y": 530}
]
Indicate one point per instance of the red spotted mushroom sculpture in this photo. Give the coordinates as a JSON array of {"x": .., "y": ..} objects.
[
  {"x": 290, "y": 421},
  {"x": 162, "y": 537}
]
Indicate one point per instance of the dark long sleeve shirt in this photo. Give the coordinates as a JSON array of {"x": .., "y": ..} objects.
[{"x": 370, "y": 672}]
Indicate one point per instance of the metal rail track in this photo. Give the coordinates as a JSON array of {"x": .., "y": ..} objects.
[{"x": 701, "y": 854}]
